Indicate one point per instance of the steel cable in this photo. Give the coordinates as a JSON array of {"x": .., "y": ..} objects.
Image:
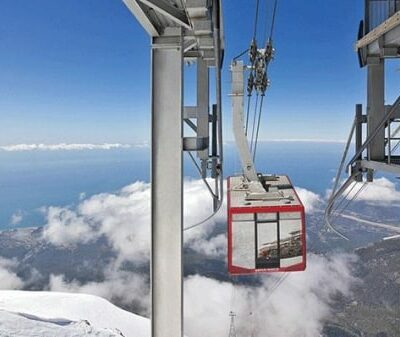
[
  {"x": 345, "y": 207},
  {"x": 241, "y": 54},
  {"x": 201, "y": 175},
  {"x": 335, "y": 194},
  {"x": 363, "y": 186},
  {"x": 256, "y": 20},
  {"x": 254, "y": 123},
  {"x": 233, "y": 294},
  {"x": 280, "y": 281},
  {"x": 343, "y": 160},
  {"x": 266, "y": 38},
  {"x": 273, "y": 20},
  {"x": 349, "y": 201},
  {"x": 344, "y": 198},
  {"x": 258, "y": 128}
]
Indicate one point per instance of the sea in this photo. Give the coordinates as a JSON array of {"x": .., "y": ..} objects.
[{"x": 31, "y": 180}]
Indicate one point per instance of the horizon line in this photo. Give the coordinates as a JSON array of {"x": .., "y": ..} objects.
[{"x": 111, "y": 146}]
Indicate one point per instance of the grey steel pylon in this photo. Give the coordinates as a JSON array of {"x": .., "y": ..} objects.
[{"x": 232, "y": 329}]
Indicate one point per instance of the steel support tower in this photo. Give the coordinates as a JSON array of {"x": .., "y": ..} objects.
[
  {"x": 181, "y": 31},
  {"x": 378, "y": 150},
  {"x": 378, "y": 40}
]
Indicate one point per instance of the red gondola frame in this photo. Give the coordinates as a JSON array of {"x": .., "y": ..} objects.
[{"x": 265, "y": 209}]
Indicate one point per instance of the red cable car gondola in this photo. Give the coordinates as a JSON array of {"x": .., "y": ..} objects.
[{"x": 265, "y": 234}]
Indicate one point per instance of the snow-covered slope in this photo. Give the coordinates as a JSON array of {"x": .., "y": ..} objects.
[
  {"x": 42, "y": 314},
  {"x": 12, "y": 324}
]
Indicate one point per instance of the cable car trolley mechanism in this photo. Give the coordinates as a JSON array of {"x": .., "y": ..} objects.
[{"x": 266, "y": 219}]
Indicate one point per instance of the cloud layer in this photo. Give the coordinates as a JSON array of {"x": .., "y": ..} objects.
[
  {"x": 125, "y": 287},
  {"x": 293, "y": 305},
  {"x": 62, "y": 146},
  {"x": 124, "y": 219},
  {"x": 310, "y": 200},
  {"x": 16, "y": 218},
  {"x": 8, "y": 277},
  {"x": 380, "y": 191}
]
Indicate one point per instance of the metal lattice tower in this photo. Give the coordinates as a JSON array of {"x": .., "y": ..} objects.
[{"x": 232, "y": 329}]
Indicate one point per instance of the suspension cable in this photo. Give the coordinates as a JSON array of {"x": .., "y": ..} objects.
[
  {"x": 347, "y": 204},
  {"x": 363, "y": 186},
  {"x": 280, "y": 281},
  {"x": 331, "y": 203},
  {"x": 327, "y": 218},
  {"x": 254, "y": 123},
  {"x": 258, "y": 127},
  {"x": 349, "y": 201},
  {"x": 205, "y": 220},
  {"x": 272, "y": 27},
  {"x": 256, "y": 20},
  {"x": 273, "y": 20},
  {"x": 335, "y": 193},
  {"x": 241, "y": 54},
  {"x": 344, "y": 198},
  {"x": 343, "y": 160},
  {"x": 268, "y": 54},
  {"x": 201, "y": 175},
  {"x": 233, "y": 293}
]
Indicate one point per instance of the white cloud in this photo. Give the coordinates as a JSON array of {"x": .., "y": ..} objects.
[
  {"x": 8, "y": 278},
  {"x": 198, "y": 207},
  {"x": 16, "y": 218},
  {"x": 124, "y": 219},
  {"x": 298, "y": 307},
  {"x": 305, "y": 140},
  {"x": 63, "y": 146},
  {"x": 67, "y": 227},
  {"x": 310, "y": 200},
  {"x": 381, "y": 191},
  {"x": 215, "y": 246},
  {"x": 124, "y": 286}
]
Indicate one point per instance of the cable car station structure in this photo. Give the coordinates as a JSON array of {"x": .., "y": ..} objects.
[{"x": 378, "y": 41}]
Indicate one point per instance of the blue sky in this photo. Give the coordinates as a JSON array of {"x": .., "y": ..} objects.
[{"x": 78, "y": 71}]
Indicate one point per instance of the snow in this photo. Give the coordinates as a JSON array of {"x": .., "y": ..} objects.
[
  {"x": 391, "y": 237},
  {"x": 45, "y": 314},
  {"x": 12, "y": 324}
]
